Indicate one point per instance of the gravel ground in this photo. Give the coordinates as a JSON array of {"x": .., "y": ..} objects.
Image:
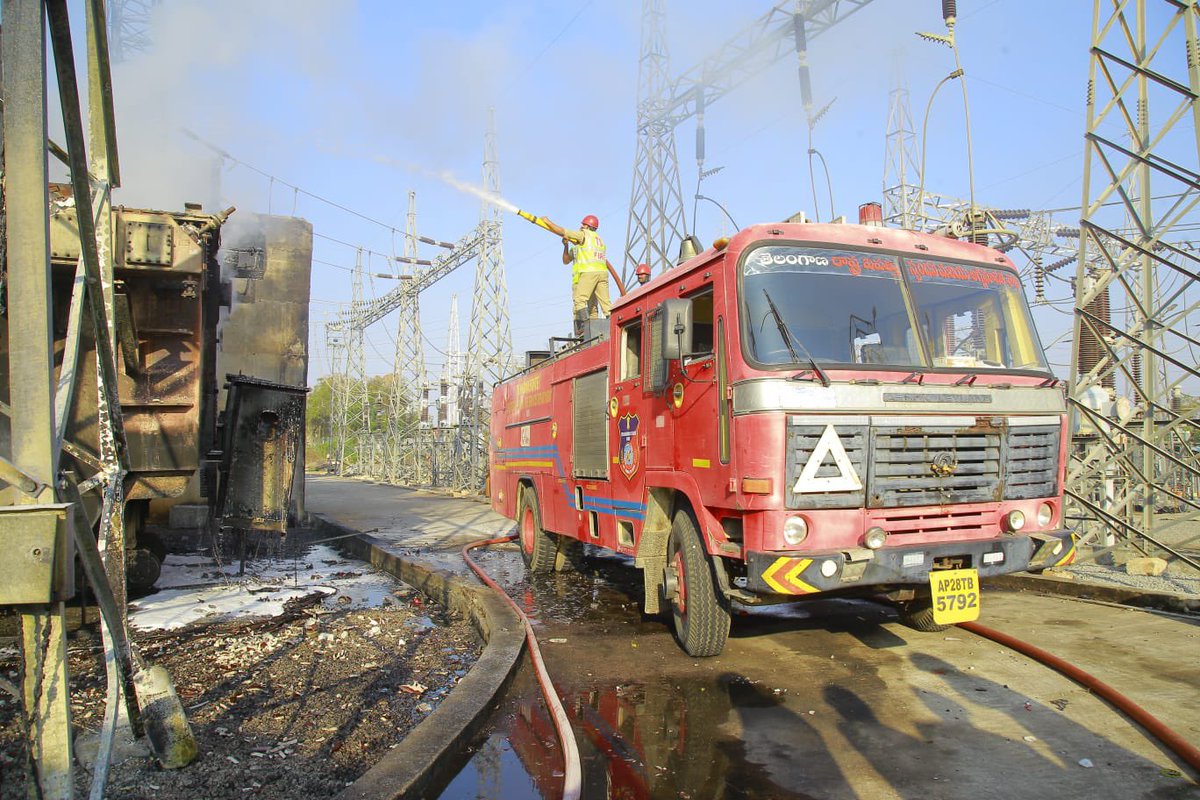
[
  {"x": 297, "y": 705},
  {"x": 1184, "y": 580},
  {"x": 1179, "y": 578}
]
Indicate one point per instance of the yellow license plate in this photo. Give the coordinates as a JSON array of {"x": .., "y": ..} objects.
[{"x": 955, "y": 595}]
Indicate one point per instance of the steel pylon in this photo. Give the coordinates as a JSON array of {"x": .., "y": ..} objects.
[
  {"x": 344, "y": 337},
  {"x": 489, "y": 341},
  {"x": 656, "y": 212},
  {"x": 656, "y": 221},
  {"x": 407, "y": 460},
  {"x": 901, "y": 197},
  {"x": 1134, "y": 470},
  {"x": 129, "y": 27}
]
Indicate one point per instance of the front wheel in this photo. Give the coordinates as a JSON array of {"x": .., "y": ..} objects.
[
  {"x": 539, "y": 550},
  {"x": 699, "y": 610}
]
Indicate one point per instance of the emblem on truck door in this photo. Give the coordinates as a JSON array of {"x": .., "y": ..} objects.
[
  {"x": 627, "y": 428},
  {"x": 829, "y": 445}
]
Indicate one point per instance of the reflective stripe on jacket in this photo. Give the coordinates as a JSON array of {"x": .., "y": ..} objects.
[{"x": 591, "y": 256}]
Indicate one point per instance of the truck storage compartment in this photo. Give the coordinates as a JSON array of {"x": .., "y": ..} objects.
[{"x": 590, "y": 425}]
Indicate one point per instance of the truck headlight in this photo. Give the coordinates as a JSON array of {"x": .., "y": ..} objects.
[
  {"x": 875, "y": 537},
  {"x": 1014, "y": 521},
  {"x": 795, "y": 530},
  {"x": 1045, "y": 515}
]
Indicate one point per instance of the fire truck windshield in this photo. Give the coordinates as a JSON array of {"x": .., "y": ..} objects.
[
  {"x": 973, "y": 316},
  {"x": 856, "y": 307}
]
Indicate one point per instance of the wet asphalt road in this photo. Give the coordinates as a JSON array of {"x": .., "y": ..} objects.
[{"x": 833, "y": 699}]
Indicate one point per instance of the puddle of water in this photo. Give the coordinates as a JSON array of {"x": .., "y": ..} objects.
[
  {"x": 673, "y": 738},
  {"x": 494, "y": 771}
]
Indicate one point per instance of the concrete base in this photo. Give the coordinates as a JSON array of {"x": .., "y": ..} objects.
[{"x": 125, "y": 744}]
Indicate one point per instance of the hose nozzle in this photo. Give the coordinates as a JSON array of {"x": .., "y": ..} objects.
[{"x": 539, "y": 221}]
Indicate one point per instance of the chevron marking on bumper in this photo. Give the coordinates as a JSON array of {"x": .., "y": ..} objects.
[{"x": 783, "y": 576}]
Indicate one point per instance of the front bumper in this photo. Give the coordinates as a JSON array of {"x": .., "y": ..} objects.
[{"x": 770, "y": 572}]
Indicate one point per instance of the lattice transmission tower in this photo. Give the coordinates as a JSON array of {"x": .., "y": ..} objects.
[
  {"x": 408, "y": 461},
  {"x": 489, "y": 341},
  {"x": 656, "y": 221},
  {"x": 656, "y": 211},
  {"x": 452, "y": 370},
  {"x": 1135, "y": 469},
  {"x": 129, "y": 27},
  {"x": 901, "y": 196},
  {"x": 350, "y": 402}
]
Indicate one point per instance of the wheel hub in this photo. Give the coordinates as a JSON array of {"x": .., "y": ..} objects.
[
  {"x": 527, "y": 532},
  {"x": 679, "y": 593}
]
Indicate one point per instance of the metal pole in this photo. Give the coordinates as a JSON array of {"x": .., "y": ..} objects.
[{"x": 31, "y": 373}]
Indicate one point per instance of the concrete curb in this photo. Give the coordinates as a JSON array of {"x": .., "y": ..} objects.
[
  {"x": 429, "y": 755},
  {"x": 1047, "y": 584}
]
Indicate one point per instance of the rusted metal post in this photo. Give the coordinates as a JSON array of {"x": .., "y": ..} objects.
[{"x": 31, "y": 374}]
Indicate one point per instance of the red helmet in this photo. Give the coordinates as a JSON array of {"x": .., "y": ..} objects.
[
  {"x": 642, "y": 269},
  {"x": 591, "y": 221}
]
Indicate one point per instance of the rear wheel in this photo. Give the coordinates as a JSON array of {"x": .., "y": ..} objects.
[
  {"x": 538, "y": 548},
  {"x": 918, "y": 614},
  {"x": 699, "y": 610}
]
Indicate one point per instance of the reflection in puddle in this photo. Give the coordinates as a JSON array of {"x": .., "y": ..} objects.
[
  {"x": 672, "y": 739},
  {"x": 668, "y": 738}
]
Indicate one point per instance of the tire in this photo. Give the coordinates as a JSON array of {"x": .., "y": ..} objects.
[
  {"x": 539, "y": 550},
  {"x": 699, "y": 610},
  {"x": 142, "y": 570},
  {"x": 570, "y": 555},
  {"x": 918, "y": 615}
]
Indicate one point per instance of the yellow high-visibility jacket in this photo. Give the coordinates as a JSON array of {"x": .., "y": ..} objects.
[{"x": 590, "y": 255}]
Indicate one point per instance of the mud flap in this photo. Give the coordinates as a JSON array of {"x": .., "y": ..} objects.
[{"x": 652, "y": 584}]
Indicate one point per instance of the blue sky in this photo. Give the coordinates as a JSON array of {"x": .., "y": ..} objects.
[{"x": 344, "y": 99}]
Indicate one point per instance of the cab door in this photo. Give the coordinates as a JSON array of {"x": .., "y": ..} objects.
[
  {"x": 659, "y": 423},
  {"x": 628, "y": 431},
  {"x": 694, "y": 401}
]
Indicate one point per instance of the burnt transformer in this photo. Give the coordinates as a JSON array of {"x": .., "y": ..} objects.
[{"x": 261, "y": 433}]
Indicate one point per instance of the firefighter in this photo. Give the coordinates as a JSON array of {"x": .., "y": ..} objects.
[
  {"x": 589, "y": 281},
  {"x": 643, "y": 273}
]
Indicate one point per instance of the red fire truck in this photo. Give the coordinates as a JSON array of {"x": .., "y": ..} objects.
[{"x": 802, "y": 409}]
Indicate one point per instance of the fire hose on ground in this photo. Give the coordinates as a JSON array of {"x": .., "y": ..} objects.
[
  {"x": 1152, "y": 725},
  {"x": 571, "y": 768}
]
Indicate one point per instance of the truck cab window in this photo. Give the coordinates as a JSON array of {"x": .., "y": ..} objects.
[
  {"x": 702, "y": 323},
  {"x": 631, "y": 350}
]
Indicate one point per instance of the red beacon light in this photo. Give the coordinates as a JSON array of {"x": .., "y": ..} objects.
[{"x": 871, "y": 215}]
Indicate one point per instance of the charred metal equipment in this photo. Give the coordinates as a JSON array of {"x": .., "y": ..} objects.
[
  {"x": 167, "y": 297},
  {"x": 262, "y": 430}
]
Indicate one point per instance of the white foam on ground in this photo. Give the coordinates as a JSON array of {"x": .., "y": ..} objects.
[{"x": 192, "y": 587}]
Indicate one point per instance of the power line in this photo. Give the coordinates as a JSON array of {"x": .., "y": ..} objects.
[{"x": 227, "y": 156}]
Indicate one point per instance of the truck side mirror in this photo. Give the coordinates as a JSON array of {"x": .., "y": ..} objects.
[{"x": 676, "y": 329}]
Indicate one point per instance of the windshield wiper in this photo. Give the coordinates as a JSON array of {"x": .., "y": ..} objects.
[{"x": 788, "y": 338}]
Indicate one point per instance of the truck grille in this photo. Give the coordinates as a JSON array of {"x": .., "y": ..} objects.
[
  {"x": 933, "y": 466},
  {"x": 951, "y": 522},
  {"x": 902, "y": 467},
  {"x": 1031, "y": 463},
  {"x": 802, "y": 440}
]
